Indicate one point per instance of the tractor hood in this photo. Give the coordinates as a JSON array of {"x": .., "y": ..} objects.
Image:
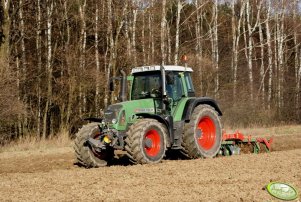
[{"x": 124, "y": 113}]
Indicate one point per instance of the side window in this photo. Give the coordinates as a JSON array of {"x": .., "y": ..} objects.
[
  {"x": 175, "y": 91},
  {"x": 178, "y": 88},
  {"x": 138, "y": 86},
  {"x": 189, "y": 82}
]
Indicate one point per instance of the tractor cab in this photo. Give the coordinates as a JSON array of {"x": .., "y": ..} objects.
[{"x": 167, "y": 85}]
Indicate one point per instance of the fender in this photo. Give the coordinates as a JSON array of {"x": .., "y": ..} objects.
[
  {"x": 194, "y": 102},
  {"x": 166, "y": 120},
  {"x": 93, "y": 119}
]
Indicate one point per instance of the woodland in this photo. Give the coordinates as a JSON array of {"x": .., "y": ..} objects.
[{"x": 58, "y": 55}]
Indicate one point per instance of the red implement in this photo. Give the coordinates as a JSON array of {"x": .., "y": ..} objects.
[{"x": 235, "y": 140}]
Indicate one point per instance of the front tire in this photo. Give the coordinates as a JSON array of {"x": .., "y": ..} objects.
[
  {"x": 146, "y": 141},
  {"x": 203, "y": 134},
  {"x": 86, "y": 155}
]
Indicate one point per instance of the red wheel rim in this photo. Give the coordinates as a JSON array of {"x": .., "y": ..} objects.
[
  {"x": 152, "y": 142},
  {"x": 206, "y": 133}
]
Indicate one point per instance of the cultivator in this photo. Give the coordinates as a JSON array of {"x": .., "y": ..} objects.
[{"x": 236, "y": 143}]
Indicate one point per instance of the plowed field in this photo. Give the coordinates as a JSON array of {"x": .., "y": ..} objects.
[{"x": 50, "y": 175}]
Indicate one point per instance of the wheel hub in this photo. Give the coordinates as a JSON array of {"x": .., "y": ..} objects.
[
  {"x": 199, "y": 133},
  {"x": 148, "y": 143}
]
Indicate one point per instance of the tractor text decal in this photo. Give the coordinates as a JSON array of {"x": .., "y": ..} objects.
[{"x": 144, "y": 110}]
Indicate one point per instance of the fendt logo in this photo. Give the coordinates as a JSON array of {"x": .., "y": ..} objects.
[{"x": 282, "y": 191}]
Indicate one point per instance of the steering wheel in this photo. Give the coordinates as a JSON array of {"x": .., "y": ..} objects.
[{"x": 156, "y": 91}]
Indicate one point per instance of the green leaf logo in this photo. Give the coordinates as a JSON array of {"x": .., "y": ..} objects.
[{"x": 282, "y": 191}]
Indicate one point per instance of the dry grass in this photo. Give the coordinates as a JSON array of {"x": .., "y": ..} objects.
[
  {"x": 62, "y": 139},
  {"x": 33, "y": 142},
  {"x": 269, "y": 131}
]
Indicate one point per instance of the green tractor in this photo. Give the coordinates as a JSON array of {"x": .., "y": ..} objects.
[{"x": 161, "y": 113}]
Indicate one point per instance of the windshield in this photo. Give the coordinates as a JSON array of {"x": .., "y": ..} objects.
[
  {"x": 146, "y": 85},
  {"x": 149, "y": 85}
]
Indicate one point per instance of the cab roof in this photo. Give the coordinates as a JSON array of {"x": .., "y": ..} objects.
[{"x": 157, "y": 68}]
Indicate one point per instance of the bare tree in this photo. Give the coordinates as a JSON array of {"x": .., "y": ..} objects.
[
  {"x": 215, "y": 46},
  {"x": 179, "y": 8},
  {"x": 270, "y": 56},
  {"x": 163, "y": 29},
  {"x": 249, "y": 43},
  {"x": 48, "y": 64},
  {"x": 135, "y": 12},
  {"x": 82, "y": 60},
  {"x": 39, "y": 65},
  {"x": 97, "y": 89},
  {"x": 236, "y": 33}
]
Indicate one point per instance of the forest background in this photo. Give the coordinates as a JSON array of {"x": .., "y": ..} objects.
[{"x": 57, "y": 56}]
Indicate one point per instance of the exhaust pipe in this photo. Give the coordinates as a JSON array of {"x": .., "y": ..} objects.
[
  {"x": 163, "y": 87},
  {"x": 123, "y": 87}
]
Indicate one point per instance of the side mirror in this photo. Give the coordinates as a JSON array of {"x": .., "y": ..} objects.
[
  {"x": 111, "y": 85},
  {"x": 166, "y": 100}
]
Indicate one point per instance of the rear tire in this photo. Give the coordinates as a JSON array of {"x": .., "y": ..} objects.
[
  {"x": 146, "y": 141},
  {"x": 202, "y": 136},
  {"x": 85, "y": 155}
]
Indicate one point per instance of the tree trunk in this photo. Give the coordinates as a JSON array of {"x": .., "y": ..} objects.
[
  {"x": 179, "y": 8},
  {"x": 297, "y": 63},
  {"x": 127, "y": 37},
  {"x": 235, "y": 40},
  {"x": 22, "y": 34},
  {"x": 23, "y": 60},
  {"x": 150, "y": 38},
  {"x": 69, "y": 70},
  {"x": 163, "y": 28},
  {"x": 199, "y": 49},
  {"x": 82, "y": 60},
  {"x": 299, "y": 87},
  {"x": 97, "y": 89},
  {"x": 39, "y": 56},
  {"x": 48, "y": 65},
  {"x": 262, "y": 70},
  {"x": 134, "y": 36},
  {"x": 280, "y": 41},
  {"x": 168, "y": 43},
  {"x": 143, "y": 38},
  {"x": 270, "y": 57},
  {"x": 215, "y": 45}
]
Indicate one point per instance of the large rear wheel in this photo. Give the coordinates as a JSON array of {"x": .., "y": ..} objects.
[
  {"x": 203, "y": 134},
  {"x": 146, "y": 141},
  {"x": 85, "y": 154}
]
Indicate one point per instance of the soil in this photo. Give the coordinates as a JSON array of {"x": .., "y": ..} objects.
[{"x": 50, "y": 175}]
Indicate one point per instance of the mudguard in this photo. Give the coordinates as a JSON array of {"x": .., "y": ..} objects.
[
  {"x": 93, "y": 119},
  {"x": 194, "y": 102}
]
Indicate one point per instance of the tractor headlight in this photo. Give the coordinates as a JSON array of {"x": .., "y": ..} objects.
[{"x": 114, "y": 121}]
